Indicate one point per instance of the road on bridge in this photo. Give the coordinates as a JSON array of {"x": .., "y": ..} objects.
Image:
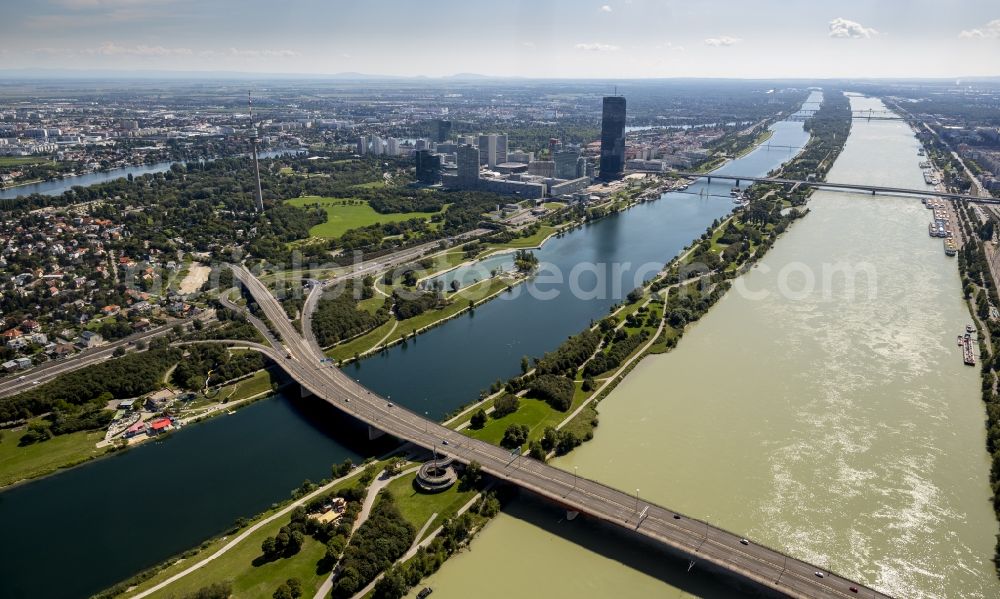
[{"x": 695, "y": 539}]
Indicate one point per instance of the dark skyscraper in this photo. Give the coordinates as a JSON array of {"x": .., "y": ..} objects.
[
  {"x": 612, "y": 138},
  {"x": 428, "y": 167},
  {"x": 441, "y": 130}
]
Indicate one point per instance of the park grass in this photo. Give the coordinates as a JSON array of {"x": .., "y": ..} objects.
[
  {"x": 370, "y": 185},
  {"x": 531, "y": 241},
  {"x": 459, "y": 302},
  {"x": 31, "y": 461},
  {"x": 250, "y": 580},
  {"x": 533, "y": 413},
  {"x": 360, "y": 344},
  {"x": 11, "y": 161},
  {"x": 417, "y": 506},
  {"x": 344, "y": 215},
  {"x": 236, "y": 565},
  {"x": 262, "y": 381}
]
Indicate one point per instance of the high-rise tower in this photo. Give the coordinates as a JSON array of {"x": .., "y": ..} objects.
[{"x": 612, "y": 138}]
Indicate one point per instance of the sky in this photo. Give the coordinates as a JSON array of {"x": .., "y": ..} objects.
[{"x": 529, "y": 38}]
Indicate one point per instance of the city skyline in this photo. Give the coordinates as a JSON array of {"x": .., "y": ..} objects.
[{"x": 554, "y": 39}]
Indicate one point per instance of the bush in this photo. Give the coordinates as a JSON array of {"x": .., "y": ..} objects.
[
  {"x": 515, "y": 436},
  {"x": 506, "y": 404},
  {"x": 557, "y": 391}
]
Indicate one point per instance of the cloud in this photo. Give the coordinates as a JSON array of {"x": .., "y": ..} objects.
[
  {"x": 990, "y": 30},
  {"x": 724, "y": 40},
  {"x": 528, "y": 44},
  {"x": 606, "y": 8},
  {"x": 113, "y": 49},
  {"x": 597, "y": 47},
  {"x": 846, "y": 29},
  {"x": 670, "y": 46}
]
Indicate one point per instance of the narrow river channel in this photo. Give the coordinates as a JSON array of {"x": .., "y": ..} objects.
[
  {"x": 108, "y": 519},
  {"x": 837, "y": 424}
]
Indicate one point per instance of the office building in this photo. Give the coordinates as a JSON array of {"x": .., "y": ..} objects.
[
  {"x": 468, "y": 164},
  {"x": 362, "y": 146},
  {"x": 492, "y": 149},
  {"x": 612, "y": 138},
  {"x": 566, "y": 164},
  {"x": 440, "y": 130},
  {"x": 428, "y": 167}
]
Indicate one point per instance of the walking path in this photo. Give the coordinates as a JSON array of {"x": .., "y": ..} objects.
[
  {"x": 376, "y": 487},
  {"x": 243, "y": 535},
  {"x": 417, "y": 544}
]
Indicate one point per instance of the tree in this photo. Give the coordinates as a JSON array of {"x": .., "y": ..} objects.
[
  {"x": 515, "y": 436},
  {"x": 268, "y": 547},
  {"x": 471, "y": 475},
  {"x": 478, "y": 420},
  {"x": 283, "y": 592},
  {"x": 119, "y": 351},
  {"x": 391, "y": 586},
  {"x": 455, "y": 285},
  {"x": 525, "y": 365}
]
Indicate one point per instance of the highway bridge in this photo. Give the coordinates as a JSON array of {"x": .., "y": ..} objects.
[
  {"x": 873, "y": 189},
  {"x": 704, "y": 545}
]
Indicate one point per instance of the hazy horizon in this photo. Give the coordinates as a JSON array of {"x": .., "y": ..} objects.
[{"x": 564, "y": 39}]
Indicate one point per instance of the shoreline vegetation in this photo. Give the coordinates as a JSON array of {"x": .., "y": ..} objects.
[
  {"x": 552, "y": 406},
  {"x": 980, "y": 295}
]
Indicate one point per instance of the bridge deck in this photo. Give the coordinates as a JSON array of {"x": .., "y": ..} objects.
[
  {"x": 697, "y": 540},
  {"x": 850, "y": 186}
]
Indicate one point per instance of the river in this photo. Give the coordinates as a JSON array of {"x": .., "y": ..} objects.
[
  {"x": 838, "y": 425},
  {"x": 58, "y": 186},
  {"x": 160, "y": 505}
]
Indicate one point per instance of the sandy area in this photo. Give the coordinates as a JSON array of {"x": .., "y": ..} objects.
[{"x": 196, "y": 277}]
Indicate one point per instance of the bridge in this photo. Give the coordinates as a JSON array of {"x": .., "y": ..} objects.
[
  {"x": 858, "y": 115},
  {"x": 693, "y": 539},
  {"x": 873, "y": 189}
]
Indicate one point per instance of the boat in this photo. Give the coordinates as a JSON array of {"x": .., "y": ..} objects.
[
  {"x": 968, "y": 328},
  {"x": 968, "y": 353},
  {"x": 734, "y": 191},
  {"x": 921, "y": 152},
  {"x": 424, "y": 592},
  {"x": 949, "y": 248},
  {"x": 932, "y": 230}
]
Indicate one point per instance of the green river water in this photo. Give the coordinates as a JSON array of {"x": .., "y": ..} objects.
[{"x": 825, "y": 414}]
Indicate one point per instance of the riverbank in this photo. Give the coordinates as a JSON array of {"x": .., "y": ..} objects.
[{"x": 439, "y": 368}]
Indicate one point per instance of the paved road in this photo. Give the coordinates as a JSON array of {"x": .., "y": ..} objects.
[
  {"x": 693, "y": 538},
  {"x": 50, "y": 370}
]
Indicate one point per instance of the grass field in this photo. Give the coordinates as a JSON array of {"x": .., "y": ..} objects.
[
  {"x": 8, "y": 161},
  {"x": 459, "y": 302},
  {"x": 417, "y": 507},
  {"x": 526, "y": 242},
  {"x": 236, "y": 565},
  {"x": 343, "y": 215},
  {"x": 534, "y": 413},
  {"x": 20, "y": 463}
]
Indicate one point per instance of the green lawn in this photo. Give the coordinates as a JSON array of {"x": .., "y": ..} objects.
[
  {"x": 417, "y": 506},
  {"x": 360, "y": 344},
  {"x": 247, "y": 579},
  {"x": 527, "y": 242},
  {"x": 344, "y": 215},
  {"x": 370, "y": 185},
  {"x": 19, "y": 463},
  {"x": 236, "y": 565},
  {"x": 8, "y": 161},
  {"x": 534, "y": 413},
  {"x": 459, "y": 302}
]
